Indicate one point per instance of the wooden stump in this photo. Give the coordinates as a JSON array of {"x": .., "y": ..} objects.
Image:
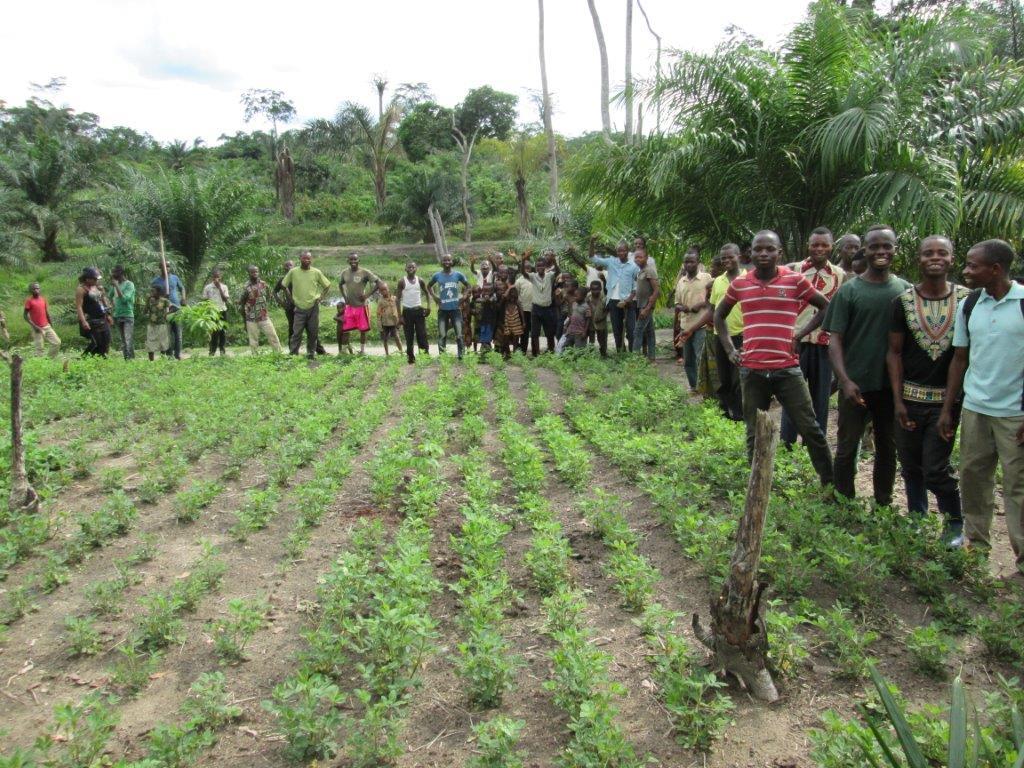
[
  {"x": 737, "y": 635},
  {"x": 23, "y": 497}
]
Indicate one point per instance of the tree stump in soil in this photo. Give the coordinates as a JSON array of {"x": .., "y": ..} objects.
[
  {"x": 23, "y": 497},
  {"x": 737, "y": 635}
]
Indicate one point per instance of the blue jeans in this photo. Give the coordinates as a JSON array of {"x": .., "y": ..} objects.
[
  {"x": 693, "y": 348},
  {"x": 126, "y": 329},
  {"x": 643, "y": 336},
  {"x": 449, "y": 318},
  {"x": 818, "y": 372}
]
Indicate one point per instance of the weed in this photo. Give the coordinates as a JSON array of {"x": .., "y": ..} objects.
[
  {"x": 787, "y": 649},
  {"x": 256, "y": 513},
  {"x": 633, "y": 575},
  {"x": 111, "y": 479},
  {"x": 930, "y": 649},
  {"x": 158, "y": 626},
  {"x": 82, "y": 637},
  {"x": 82, "y": 731},
  {"x": 55, "y": 573},
  {"x": 190, "y": 503},
  {"x": 1003, "y": 633},
  {"x": 174, "y": 746}
]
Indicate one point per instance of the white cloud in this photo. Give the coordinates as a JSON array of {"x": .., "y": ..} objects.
[{"x": 176, "y": 69}]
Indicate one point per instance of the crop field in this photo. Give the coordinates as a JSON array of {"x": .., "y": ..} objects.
[{"x": 254, "y": 561}]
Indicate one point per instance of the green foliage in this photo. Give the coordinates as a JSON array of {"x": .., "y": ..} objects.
[
  {"x": 82, "y": 637},
  {"x": 1003, "y": 633},
  {"x": 190, "y": 503},
  {"x": 787, "y": 648},
  {"x": 306, "y": 708},
  {"x": 845, "y": 643},
  {"x": 930, "y": 648},
  {"x": 496, "y": 743},
  {"x": 131, "y": 672},
  {"x": 81, "y": 731},
  {"x": 209, "y": 705},
  {"x": 231, "y": 635}
]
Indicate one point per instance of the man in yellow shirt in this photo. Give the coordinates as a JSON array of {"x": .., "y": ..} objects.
[
  {"x": 691, "y": 297},
  {"x": 729, "y": 394},
  {"x": 307, "y": 287}
]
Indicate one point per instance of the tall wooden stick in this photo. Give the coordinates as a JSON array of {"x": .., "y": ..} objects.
[
  {"x": 737, "y": 635},
  {"x": 163, "y": 257},
  {"x": 23, "y": 497}
]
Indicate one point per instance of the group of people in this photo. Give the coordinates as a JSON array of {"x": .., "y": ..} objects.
[{"x": 896, "y": 352}]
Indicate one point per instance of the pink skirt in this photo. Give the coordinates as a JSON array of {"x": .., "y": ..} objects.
[{"x": 356, "y": 319}]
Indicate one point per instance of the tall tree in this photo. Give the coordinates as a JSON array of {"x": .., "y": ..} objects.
[
  {"x": 549, "y": 131},
  {"x": 602, "y": 49},
  {"x": 628, "y": 88},
  {"x": 271, "y": 105},
  {"x": 484, "y": 112},
  {"x": 380, "y": 83},
  {"x": 525, "y": 154},
  {"x": 424, "y": 129},
  {"x": 657, "y": 64},
  {"x": 377, "y": 139}
]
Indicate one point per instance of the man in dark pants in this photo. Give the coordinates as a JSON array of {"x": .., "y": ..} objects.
[
  {"x": 307, "y": 286},
  {"x": 284, "y": 299},
  {"x": 920, "y": 351},
  {"x": 414, "y": 299},
  {"x": 771, "y": 298},
  {"x": 826, "y": 279},
  {"x": 621, "y": 275},
  {"x": 544, "y": 315},
  {"x": 730, "y": 396},
  {"x": 524, "y": 290},
  {"x": 858, "y": 320}
]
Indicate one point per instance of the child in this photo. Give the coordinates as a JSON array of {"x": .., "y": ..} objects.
[
  {"x": 342, "y": 335},
  {"x": 158, "y": 335},
  {"x": 488, "y": 311},
  {"x": 580, "y": 315},
  {"x": 598, "y": 302},
  {"x": 467, "y": 304},
  {"x": 387, "y": 316}
]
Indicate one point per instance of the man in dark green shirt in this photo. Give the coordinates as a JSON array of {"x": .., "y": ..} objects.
[{"x": 858, "y": 320}]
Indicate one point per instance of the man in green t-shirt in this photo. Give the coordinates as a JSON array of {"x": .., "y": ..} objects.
[
  {"x": 307, "y": 287},
  {"x": 122, "y": 295},
  {"x": 858, "y": 319}
]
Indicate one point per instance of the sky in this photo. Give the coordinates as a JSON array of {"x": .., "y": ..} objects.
[{"x": 176, "y": 69}]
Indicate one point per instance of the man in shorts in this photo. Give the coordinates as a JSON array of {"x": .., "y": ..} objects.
[{"x": 357, "y": 285}]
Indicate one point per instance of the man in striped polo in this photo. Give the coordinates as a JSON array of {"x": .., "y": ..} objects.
[{"x": 771, "y": 298}]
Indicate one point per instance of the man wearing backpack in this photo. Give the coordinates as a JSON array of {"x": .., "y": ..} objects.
[{"x": 990, "y": 333}]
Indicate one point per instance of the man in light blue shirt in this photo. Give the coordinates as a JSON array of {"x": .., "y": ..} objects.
[
  {"x": 450, "y": 282},
  {"x": 174, "y": 290},
  {"x": 621, "y": 288},
  {"x": 990, "y": 333}
]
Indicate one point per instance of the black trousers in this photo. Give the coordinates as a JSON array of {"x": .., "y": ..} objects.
[
  {"x": 98, "y": 336},
  {"x": 601, "y": 337},
  {"x": 415, "y": 322},
  {"x": 730, "y": 394},
  {"x": 853, "y": 418},
  {"x": 524, "y": 339},
  {"x": 623, "y": 324},
  {"x": 289, "y": 312},
  {"x": 219, "y": 338},
  {"x": 924, "y": 462},
  {"x": 543, "y": 318}
]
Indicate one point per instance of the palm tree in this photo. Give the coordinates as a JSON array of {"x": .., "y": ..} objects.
[
  {"x": 854, "y": 120},
  {"x": 377, "y": 140},
  {"x": 48, "y": 172},
  {"x": 525, "y": 153},
  {"x": 549, "y": 131},
  {"x": 602, "y": 49}
]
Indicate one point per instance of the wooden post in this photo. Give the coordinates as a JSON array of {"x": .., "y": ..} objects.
[
  {"x": 23, "y": 497},
  {"x": 737, "y": 635}
]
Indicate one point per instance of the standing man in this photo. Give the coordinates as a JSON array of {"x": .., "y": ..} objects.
[
  {"x": 848, "y": 245},
  {"x": 543, "y": 315},
  {"x": 450, "y": 283},
  {"x": 37, "y": 315},
  {"x": 920, "y": 351},
  {"x": 174, "y": 290},
  {"x": 826, "y": 278},
  {"x": 524, "y": 291},
  {"x": 121, "y": 294},
  {"x": 858, "y": 320},
  {"x": 216, "y": 292},
  {"x": 647, "y": 292},
  {"x": 284, "y": 299},
  {"x": 254, "y": 301},
  {"x": 93, "y": 321},
  {"x": 307, "y": 287},
  {"x": 990, "y": 330},
  {"x": 356, "y": 285},
  {"x": 414, "y": 301},
  {"x": 730, "y": 395},
  {"x": 771, "y": 298},
  {"x": 691, "y": 299},
  {"x": 620, "y": 285}
]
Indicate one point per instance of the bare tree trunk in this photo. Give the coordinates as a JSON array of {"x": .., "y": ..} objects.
[
  {"x": 657, "y": 67},
  {"x": 380, "y": 191},
  {"x": 606, "y": 118},
  {"x": 437, "y": 227},
  {"x": 284, "y": 177},
  {"x": 546, "y": 105},
  {"x": 23, "y": 498},
  {"x": 639, "y": 122},
  {"x": 737, "y": 635},
  {"x": 522, "y": 205},
  {"x": 628, "y": 92},
  {"x": 466, "y": 148}
]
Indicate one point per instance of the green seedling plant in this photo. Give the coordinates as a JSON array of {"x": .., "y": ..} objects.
[
  {"x": 175, "y": 746},
  {"x": 306, "y": 708},
  {"x": 55, "y": 573},
  {"x": 496, "y": 741},
  {"x": 82, "y": 637},
  {"x": 80, "y": 732},
  {"x": 259, "y": 508},
  {"x": 134, "y": 667},
  {"x": 845, "y": 643},
  {"x": 787, "y": 648},
  {"x": 209, "y": 706},
  {"x": 112, "y": 479},
  {"x": 190, "y": 503},
  {"x": 158, "y": 625},
  {"x": 105, "y": 597},
  {"x": 232, "y": 634},
  {"x": 930, "y": 649},
  {"x": 632, "y": 574}
]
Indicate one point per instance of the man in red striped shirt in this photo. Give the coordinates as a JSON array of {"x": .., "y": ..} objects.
[{"x": 771, "y": 298}]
